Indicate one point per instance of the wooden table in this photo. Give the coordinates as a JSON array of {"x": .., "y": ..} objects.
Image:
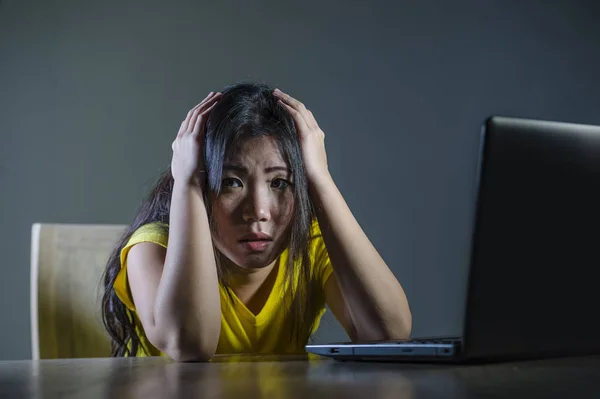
[{"x": 297, "y": 377}]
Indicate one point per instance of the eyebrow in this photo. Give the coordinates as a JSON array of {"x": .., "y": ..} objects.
[{"x": 242, "y": 169}]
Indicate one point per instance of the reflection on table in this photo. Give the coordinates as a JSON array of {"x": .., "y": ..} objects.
[{"x": 296, "y": 377}]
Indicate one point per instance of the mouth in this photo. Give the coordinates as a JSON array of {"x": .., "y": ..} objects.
[{"x": 256, "y": 242}]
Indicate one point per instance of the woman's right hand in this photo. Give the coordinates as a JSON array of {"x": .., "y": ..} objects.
[{"x": 187, "y": 164}]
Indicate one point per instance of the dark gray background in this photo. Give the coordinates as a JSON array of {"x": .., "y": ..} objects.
[{"x": 92, "y": 94}]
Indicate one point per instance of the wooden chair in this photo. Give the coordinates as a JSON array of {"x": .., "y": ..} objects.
[{"x": 67, "y": 262}]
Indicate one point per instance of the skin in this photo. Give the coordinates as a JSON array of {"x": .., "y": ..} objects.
[
  {"x": 176, "y": 289},
  {"x": 256, "y": 197},
  {"x": 363, "y": 293}
]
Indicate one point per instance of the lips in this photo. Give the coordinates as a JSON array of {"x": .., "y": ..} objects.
[
  {"x": 258, "y": 236},
  {"x": 256, "y": 242}
]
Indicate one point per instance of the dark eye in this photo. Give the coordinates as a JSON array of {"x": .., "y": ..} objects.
[
  {"x": 280, "y": 184},
  {"x": 231, "y": 182}
]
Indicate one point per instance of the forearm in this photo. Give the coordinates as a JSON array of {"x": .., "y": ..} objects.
[
  {"x": 187, "y": 307},
  {"x": 376, "y": 301}
]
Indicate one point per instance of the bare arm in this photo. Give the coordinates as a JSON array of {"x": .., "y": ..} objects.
[
  {"x": 176, "y": 290},
  {"x": 363, "y": 293},
  {"x": 372, "y": 300}
]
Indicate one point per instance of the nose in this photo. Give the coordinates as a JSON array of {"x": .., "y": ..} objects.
[{"x": 257, "y": 206}]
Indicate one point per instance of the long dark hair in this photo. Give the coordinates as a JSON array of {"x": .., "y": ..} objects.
[{"x": 245, "y": 110}]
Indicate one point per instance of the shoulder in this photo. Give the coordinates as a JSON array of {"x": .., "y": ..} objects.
[{"x": 155, "y": 232}]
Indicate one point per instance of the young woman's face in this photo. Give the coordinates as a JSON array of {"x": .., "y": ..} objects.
[{"x": 254, "y": 210}]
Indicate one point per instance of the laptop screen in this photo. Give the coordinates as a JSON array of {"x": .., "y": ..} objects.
[{"x": 536, "y": 242}]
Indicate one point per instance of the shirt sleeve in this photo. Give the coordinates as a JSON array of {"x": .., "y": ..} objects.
[{"x": 154, "y": 232}]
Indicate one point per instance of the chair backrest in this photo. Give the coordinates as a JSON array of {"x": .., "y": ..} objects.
[{"x": 67, "y": 262}]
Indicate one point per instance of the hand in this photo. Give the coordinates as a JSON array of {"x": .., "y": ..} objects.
[
  {"x": 310, "y": 135},
  {"x": 187, "y": 164}
]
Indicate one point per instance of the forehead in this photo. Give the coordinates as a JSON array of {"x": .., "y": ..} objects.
[{"x": 256, "y": 151}]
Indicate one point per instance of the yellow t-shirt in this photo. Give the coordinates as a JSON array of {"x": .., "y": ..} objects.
[{"x": 268, "y": 332}]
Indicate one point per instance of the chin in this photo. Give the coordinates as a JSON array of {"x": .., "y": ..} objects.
[
  {"x": 255, "y": 261},
  {"x": 252, "y": 265},
  {"x": 245, "y": 259},
  {"x": 251, "y": 261}
]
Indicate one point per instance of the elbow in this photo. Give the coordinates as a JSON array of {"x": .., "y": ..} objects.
[
  {"x": 390, "y": 330},
  {"x": 399, "y": 333},
  {"x": 398, "y": 329},
  {"x": 406, "y": 328},
  {"x": 181, "y": 349},
  {"x": 196, "y": 355}
]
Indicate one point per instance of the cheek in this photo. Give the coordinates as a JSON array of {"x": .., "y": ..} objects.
[
  {"x": 222, "y": 213},
  {"x": 284, "y": 209},
  {"x": 221, "y": 227}
]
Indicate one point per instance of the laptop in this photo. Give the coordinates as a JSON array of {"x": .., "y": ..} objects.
[{"x": 534, "y": 251}]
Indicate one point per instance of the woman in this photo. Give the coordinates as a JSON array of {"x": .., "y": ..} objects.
[{"x": 244, "y": 240}]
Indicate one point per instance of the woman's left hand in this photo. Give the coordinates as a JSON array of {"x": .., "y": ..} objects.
[{"x": 312, "y": 138}]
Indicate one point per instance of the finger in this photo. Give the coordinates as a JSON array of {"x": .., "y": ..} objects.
[
  {"x": 191, "y": 120},
  {"x": 199, "y": 110},
  {"x": 289, "y": 100},
  {"x": 207, "y": 97},
  {"x": 182, "y": 128},
  {"x": 305, "y": 114},
  {"x": 298, "y": 115},
  {"x": 197, "y": 106},
  {"x": 310, "y": 120},
  {"x": 211, "y": 94},
  {"x": 201, "y": 122},
  {"x": 300, "y": 122},
  {"x": 202, "y": 110}
]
